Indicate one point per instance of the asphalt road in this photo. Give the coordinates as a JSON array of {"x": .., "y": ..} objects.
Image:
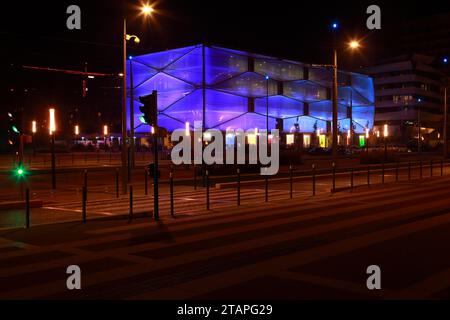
[{"x": 310, "y": 247}]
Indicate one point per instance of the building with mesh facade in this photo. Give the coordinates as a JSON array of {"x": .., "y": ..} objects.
[{"x": 221, "y": 88}]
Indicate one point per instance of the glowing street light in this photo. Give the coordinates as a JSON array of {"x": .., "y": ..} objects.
[
  {"x": 105, "y": 130},
  {"x": 385, "y": 131},
  {"x": 367, "y": 133},
  {"x": 52, "y": 126},
  {"x": 354, "y": 44},
  {"x": 52, "y": 129},
  {"x": 187, "y": 129},
  {"x": 33, "y": 126},
  {"x": 77, "y": 130},
  {"x": 147, "y": 10}
]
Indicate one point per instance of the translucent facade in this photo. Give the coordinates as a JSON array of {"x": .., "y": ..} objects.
[{"x": 227, "y": 89}]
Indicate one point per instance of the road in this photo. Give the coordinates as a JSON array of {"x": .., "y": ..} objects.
[{"x": 307, "y": 247}]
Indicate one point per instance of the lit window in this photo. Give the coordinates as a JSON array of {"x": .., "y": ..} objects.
[{"x": 289, "y": 139}]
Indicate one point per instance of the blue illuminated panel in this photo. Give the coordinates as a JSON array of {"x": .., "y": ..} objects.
[{"x": 230, "y": 89}]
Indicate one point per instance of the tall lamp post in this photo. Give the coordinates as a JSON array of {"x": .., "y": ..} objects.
[
  {"x": 353, "y": 45},
  {"x": 146, "y": 10},
  {"x": 445, "y": 123},
  {"x": 52, "y": 129}
]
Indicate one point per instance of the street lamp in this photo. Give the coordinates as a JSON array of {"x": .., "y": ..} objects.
[
  {"x": 385, "y": 136},
  {"x": 146, "y": 10},
  {"x": 52, "y": 129},
  {"x": 353, "y": 45}
]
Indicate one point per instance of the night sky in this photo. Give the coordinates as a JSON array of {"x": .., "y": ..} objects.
[{"x": 35, "y": 33}]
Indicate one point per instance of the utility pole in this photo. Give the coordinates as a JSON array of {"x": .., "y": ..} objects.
[
  {"x": 445, "y": 123},
  {"x": 335, "y": 106},
  {"x": 124, "y": 111}
]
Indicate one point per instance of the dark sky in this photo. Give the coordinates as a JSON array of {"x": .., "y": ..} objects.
[{"x": 35, "y": 33}]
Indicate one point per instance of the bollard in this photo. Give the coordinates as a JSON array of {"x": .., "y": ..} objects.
[
  {"x": 396, "y": 171},
  {"x": 27, "y": 213},
  {"x": 195, "y": 177},
  {"x": 266, "y": 180},
  {"x": 117, "y": 182},
  {"x": 431, "y": 167},
  {"x": 172, "y": 213},
  {"x": 238, "y": 187},
  {"x": 351, "y": 178},
  {"x": 420, "y": 169},
  {"x": 146, "y": 181},
  {"x": 130, "y": 217},
  {"x": 291, "y": 170},
  {"x": 84, "y": 203},
  {"x": 207, "y": 189},
  {"x": 382, "y": 172},
  {"x": 85, "y": 178},
  {"x": 333, "y": 165},
  {"x": 409, "y": 171},
  {"x": 442, "y": 168},
  {"x": 314, "y": 179},
  {"x": 368, "y": 175}
]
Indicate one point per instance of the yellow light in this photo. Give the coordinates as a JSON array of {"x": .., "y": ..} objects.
[
  {"x": 349, "y": 133},
  {"x": 367, "y": 133},
  {"x": 33, "y": 126},
  {"x": 289, "y": 139},
  {"x": 187, "y": 129},
  {"x": 353, "y": 44},
  {"x": 105, "y": 130},
  {"x": 77, "y": 130},
  {"x": 385, "y": 131},
  {"x": 251, "y": 139},
  {"x": 121, "y": 74},
  {"x": 146, "y": 9},
  {"x": 153, "y": 130},
  {"x": 52, "y": 127}
]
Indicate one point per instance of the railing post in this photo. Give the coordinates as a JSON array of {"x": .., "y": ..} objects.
[
  {"x": 333, "y": 165},
  {"x": 146, "y": 181},
  {"x": 420, "y": 166},
  {"x": 117, "y": 182},
  {"x": 172, "y": 211},
  {"x": 195, "y": 177},
  {"x": 291, "y": 170},
  {"x": 431, "y": 167},
  {"x": 207, "y": 190},
  {"x": 27, "y": 213},
  {"x": 396, "y": 171},
  {"x": 266, "y": 179},
  {"x": 351, "y": 178},
  {"x": 84, "y": 203},
  {"x": 130, "y": 216},
  {"x": 409, "y": 170},
  {"x": 85, "y": 178},
  {"x": 238, "y": 187},
  {"x": 314, "y": 179}
]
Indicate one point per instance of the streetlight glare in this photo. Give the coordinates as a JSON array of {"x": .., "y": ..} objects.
[
  {"x": 52, "y": 127},
  {"x": 354, "y": 44},
  {"x": 147, "y": 9},
  {"x": 33, "y": 126}
]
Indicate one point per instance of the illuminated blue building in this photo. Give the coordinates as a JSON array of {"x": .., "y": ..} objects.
[{"x": 223, "y": 88}]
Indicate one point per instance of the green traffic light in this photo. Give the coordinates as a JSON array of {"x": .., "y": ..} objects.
[
  {"x": 20, "y": 172},
  {"x": 14, "y": 128}
]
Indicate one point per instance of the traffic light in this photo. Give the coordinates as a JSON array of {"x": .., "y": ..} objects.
[
  {"x": 13, "y": 129},
  {"x": 149, "y": 109}
]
